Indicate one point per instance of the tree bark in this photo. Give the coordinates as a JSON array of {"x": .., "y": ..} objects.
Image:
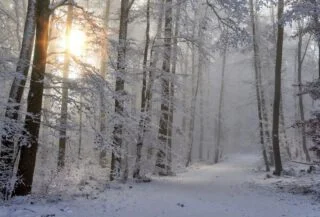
[
  {"x": 65, "y": 93},
  {"x": 119, "y": 103},
  {"x": 200, "y": 72},
  {"x": 277, "y": 92},
  {"x": 154, "y": 58},
  {"x": 221, "y": 98},
  {"x": 257, "y": 69},
  {"x": 194, "y": 91},
  {"x": 172, "y": 87},
  {"x": 28, "y": 151},
  {"x": 103, "y": 71},
  {"x": 301, "y": 107},
  {"x": 144, "y": 113},
  {"x": 15, "y": 96},
  {"x": 162, "y": 167}
]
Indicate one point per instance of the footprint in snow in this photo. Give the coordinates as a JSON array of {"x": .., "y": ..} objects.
[{"x": 180, "y": 204}]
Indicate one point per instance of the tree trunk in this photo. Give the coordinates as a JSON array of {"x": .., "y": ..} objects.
[
  {"x": 172, "y": 88},
  {"x": 162, "y": 166},
  {"x": 301, "y": 107},
  {"x": 119, "y": 103},
  {"x": 28, "y": 151},
  {"x": 194, "y": 92},
  {"x": 65, "y": 93},
  {"x": 16, "y": 92},
  {"x": 103, "y": 71},
  {"x": 200, "y": 72},
  {"x": 144, "y": 113},
  {"x": 221, "y": 97},
  {"x": 277, "y": 92},
  {"x": 257, "y": 69},
  {"x": 283, "y": 130},
  {"x": 154, "y": 58}
]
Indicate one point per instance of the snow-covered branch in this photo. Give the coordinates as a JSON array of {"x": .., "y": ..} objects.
[{"x": 60, "y": 3}]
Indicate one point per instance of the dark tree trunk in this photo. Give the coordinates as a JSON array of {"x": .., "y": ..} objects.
[
  {"x": 301, "y": 107},
  {"x": 200, "y": 72},
  {"x": 28, "y": 151},
  {"x": 144, "y": 112},
  {"x": 12, "y": 111},
  {"x": 119, "y": 103},
  {"x": 277, "y": 92},
  {"x": 162, "y": 166},
  {"x": 257, "y": 69},
  {"x": 172, "y": 87}
]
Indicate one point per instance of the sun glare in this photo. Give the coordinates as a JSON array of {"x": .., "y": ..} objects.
[
  {"x": 77, "y": 47},
  {"x": 77, "y": 42}
]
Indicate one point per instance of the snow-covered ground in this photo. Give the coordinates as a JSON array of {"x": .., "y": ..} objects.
[{"x": 229, "y": 189}]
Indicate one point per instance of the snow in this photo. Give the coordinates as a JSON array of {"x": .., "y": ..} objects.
[{"x": 229, "y": 189}]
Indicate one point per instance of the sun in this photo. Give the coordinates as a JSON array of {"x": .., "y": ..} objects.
[
  {"x": 77, "y": 42},
  {"x": 74, "y": 43}
]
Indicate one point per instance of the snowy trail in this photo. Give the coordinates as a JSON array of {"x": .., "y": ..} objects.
[{"x": 222, "y": 190}]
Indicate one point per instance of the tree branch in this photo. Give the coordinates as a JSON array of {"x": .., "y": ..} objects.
[{"x": 60, "y": 3}]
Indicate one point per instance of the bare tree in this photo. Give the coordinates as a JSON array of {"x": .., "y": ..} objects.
[
  {"x": 120, "y": 91},
  {"x": 300, "y": 61},
  {"x": 16, "y": 92},
  {"x": 162, "y": 166},
  {"x": 65, "y": 92},
  {"x": 142, "y": 123},
  {"x": 277, "y": 92},
  {"x": 28, "y": 152},
  {"x": 103, "y": 71},
  {"x": 218, "y": 148},
  {"x": 257, "y": 69}
]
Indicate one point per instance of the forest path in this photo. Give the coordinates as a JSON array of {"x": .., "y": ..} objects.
[{"x": 222, "y": 190}]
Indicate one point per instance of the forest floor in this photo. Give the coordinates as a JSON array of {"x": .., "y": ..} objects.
[{"x": 232, "y": 188}]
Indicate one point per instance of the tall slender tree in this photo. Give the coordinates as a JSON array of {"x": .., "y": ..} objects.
[
  {"x": 162, "y": 167},
  {"x": 218, "y": 148},
  {"x": 103, "y": 72},
  {"x": 65, "y": 92},
  {"x": 277, "y": 92},
  {"x": 143, "y": 109},
  {"x": 257, "y": 69},
  {"x": 120, "y": 82},
  {"x": 195, "y": 82},
  {"x": 201, "y": 62},
  {"x": 300, "y": 61}
]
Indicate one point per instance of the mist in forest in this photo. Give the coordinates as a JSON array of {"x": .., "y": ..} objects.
[{"x": 104, "y": 94}]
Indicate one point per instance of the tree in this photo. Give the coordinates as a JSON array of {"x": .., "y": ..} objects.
[
  {"x": 103, "y": 71},
  {"x": 195, "y": 83},
  {"x": 277, "y": 92},
  {"x": 218, "y": 148},
  {"x": 162, "y": 168},
  {"x": 201, "y": 61},
  {"x": 65, "y": 93},
  {"x": 300, "y": 60},
  {"x": 259, "y": 91},
  {"x": 120, "y": 91},
  {"x": 28, "y": 150},
  {"x": 143, "y": 109},
  {"x": 12, "y": 111}
]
